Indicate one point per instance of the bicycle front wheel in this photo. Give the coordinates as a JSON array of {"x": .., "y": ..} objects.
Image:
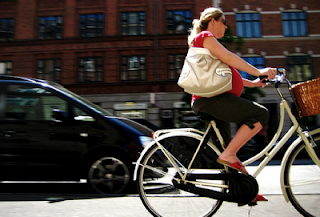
[
  {"x": 302, "y": 180},
  {"x": 156, "y": 174}
]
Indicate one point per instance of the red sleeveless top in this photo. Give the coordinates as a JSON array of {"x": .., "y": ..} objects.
[{"x": 237, "y": 83}]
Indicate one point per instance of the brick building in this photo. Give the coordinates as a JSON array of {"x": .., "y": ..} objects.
[{"x": 126, "y": 55}]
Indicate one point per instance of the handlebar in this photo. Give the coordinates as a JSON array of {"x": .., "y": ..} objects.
[{"x": 278, "y": 78}]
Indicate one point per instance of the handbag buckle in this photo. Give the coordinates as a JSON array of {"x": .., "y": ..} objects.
[{"x": 222, "y": 72}]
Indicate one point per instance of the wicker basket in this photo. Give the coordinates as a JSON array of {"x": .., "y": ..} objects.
[{"x": 306, "y": 96}]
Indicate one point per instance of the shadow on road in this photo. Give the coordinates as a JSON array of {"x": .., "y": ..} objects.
[{"x": 51, "y": 192}]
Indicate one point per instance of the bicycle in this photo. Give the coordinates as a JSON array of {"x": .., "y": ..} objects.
[{"x": 179, "y": 169}]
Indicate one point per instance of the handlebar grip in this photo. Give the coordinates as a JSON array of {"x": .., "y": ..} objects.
[
  {"x": 264, "y": 78},
  {"x": 261, "y": 77}
]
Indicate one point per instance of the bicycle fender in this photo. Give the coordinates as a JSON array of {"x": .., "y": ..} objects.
[{"x": 139, "y": 159}]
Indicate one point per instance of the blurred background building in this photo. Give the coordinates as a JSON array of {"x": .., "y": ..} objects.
[{"x": 126, "y": 55}]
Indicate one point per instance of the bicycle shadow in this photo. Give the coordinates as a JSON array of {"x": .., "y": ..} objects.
[{"x": 52, "y": 193}]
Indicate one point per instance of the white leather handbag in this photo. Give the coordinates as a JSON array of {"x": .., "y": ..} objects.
[{"x": 203, "y": 74}]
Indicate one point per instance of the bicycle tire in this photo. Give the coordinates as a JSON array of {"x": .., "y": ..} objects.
[
  {"x": 302, "y": 178},
  {"x": 155, "y": 186}
]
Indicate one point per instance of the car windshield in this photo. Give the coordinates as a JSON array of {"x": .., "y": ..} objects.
[{"x": 82, "y": 100}]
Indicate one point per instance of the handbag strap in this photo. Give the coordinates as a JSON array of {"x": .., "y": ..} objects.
[{"x": 200, "y": 50}]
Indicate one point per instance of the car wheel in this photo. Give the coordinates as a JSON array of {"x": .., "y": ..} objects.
[{"x": 109, "y": 175}]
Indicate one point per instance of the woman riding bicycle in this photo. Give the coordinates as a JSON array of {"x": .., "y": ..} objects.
[
  {"x": 229, "y": 107},
  {"x": 177, "y": 175}
]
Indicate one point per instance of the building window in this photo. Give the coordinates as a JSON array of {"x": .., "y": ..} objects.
[
  {"x": 5, "y": 68},
  {"x": 50, "y": 27},
  {"x": 133, "y": 68},
  {"x": 6, "y": 29},
  {"x": 91, "y": 25},
  {"x": 91, "y": 69},
  {"x": 248, "y": 25},
  {"x": 175, "y": 63},
  {"x": 256, "y": 61},
  {"x": 178, "y": 22},
  {"x": 299, "y": 68},
  {"x": 294, "y": 24},
  {"x": 49, "y": 69},
  {"x": 133, "y": 23}
]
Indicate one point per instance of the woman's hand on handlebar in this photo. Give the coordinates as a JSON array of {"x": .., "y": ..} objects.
[
  {"x": 268, "y": 73},
  {"x": 277, "y": 75},
  {"x": 259, "y": 82},
  {"x": 254, "y": 83}
]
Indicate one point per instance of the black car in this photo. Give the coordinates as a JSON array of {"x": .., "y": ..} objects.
[{"x": 48, "y": 133}]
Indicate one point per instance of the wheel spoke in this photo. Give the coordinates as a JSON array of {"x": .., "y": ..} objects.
[
  {"x": 156, "y": 170},
  {"x": 101, "y": 168},
  {"x": 307, "y": 182},
  {"x": 114, "y": 166},
  {"x": 159, "y": 189},
  {"x": 119, "y": 178},
  {"x": 98, "y": 181}
]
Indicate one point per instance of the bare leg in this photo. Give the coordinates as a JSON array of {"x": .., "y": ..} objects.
[{"x": 243, "y": 135}]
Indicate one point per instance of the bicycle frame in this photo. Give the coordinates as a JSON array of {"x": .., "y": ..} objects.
[{"x": 304, "y": 136}]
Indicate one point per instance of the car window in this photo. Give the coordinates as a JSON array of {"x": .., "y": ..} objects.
[
  {"x": 81, "y": 115},
  {"x": 32, "y": 103},
  {"x": 82, "y": 100}
]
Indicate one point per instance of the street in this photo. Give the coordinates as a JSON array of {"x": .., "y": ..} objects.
[
  {"x": 127, "y": 206},
  {"x": 75, "y": 200}
]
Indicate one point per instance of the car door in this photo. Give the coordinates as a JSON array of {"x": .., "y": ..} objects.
[{"x": 35, "y": 145}]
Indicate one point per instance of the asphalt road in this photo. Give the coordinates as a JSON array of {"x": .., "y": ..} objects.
[{"x": 76, "y": 200}]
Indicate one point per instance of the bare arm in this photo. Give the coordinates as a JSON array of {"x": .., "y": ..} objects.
[
  {"x": 254, "y": 83},
  {"x": 234, "y": 60}
]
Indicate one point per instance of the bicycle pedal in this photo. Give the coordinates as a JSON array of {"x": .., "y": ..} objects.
[{"x": 252, "y": 203}]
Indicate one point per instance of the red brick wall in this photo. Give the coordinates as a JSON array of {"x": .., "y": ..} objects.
[
  {"x": 27, "y": 48},
  {"x": 271, "y": 25},
  {"x": 25, "y": 20},
  {"x": 272, "y": 5}
]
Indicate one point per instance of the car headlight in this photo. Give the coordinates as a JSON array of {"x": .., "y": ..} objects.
[{"x": 145, "y": 140}]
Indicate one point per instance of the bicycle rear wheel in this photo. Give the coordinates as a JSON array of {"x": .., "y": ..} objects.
[
  {"x": 156, "y": 174},
  {"x": 302, "y": 178}
]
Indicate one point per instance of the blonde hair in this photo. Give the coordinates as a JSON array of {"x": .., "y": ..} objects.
[{"x": 202, "y": 24}]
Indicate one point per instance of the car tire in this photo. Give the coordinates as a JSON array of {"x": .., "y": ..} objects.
[{"x": 110, "y": 174}]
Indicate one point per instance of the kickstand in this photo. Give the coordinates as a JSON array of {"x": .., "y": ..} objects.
[
  {"x": 249, "y": 212},
  {"x": 251, "y": 204}
]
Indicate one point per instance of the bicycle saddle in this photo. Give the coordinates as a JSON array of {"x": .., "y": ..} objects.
[{"x": 205, "y": 116}]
